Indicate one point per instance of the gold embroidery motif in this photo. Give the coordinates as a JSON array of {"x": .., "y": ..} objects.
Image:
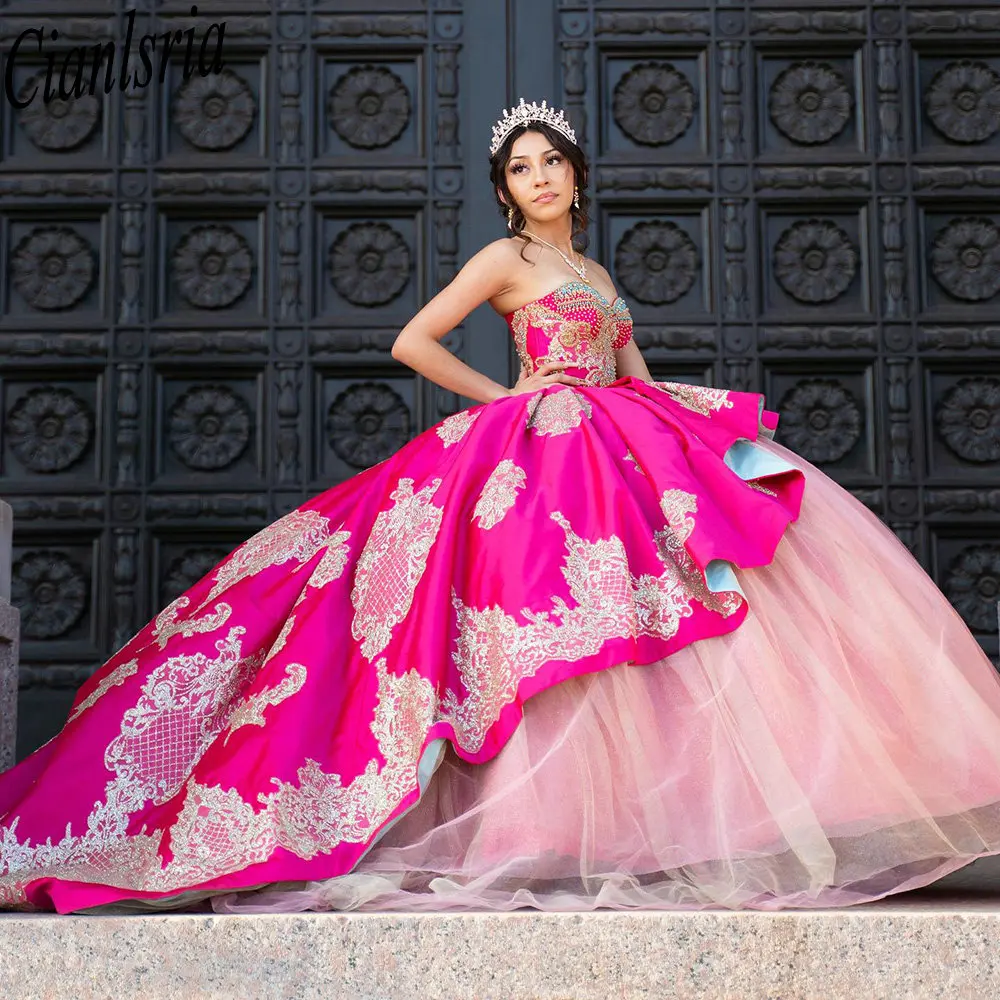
[
  {"x": 754, "y": 485},
  {"x": 701, "y": 399},
  {"x": 499, "y": 494},
  {"x": 279, "y": 644},
  {"x": 185, "y": 702},
  {"x": 298, "y": 535},
  {"x": 169, "y": 621},
  {"x": 452, "y": 429},
  {"x": 320, "y": 813},
  {"x": 557, "y": 411},
  {"x": 677, "y": 507},
  {"x": 119, "y": 675},
  {"x": 558, "y": 329},
  {"x": 391, "y": 564},
  {"x": 251, "y": 711},
  {"x": 218, "y": 831},
  {"x": 330, "y": 567}
]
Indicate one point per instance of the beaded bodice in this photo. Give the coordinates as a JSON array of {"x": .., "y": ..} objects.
[{"x": 573, "y": 323}]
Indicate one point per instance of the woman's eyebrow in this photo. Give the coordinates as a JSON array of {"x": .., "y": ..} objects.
[{"x": 524, "y": 156}]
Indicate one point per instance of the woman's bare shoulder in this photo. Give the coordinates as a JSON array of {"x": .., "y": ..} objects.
[
  {"x": 508, "y": 270},
  {"x": 506, "y": 252},
  {"x": 495, "y": 259},
  {"x": 599, "y": 269}
]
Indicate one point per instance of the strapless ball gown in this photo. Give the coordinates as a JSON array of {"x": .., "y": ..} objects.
[{"x": 606, "y": 645}]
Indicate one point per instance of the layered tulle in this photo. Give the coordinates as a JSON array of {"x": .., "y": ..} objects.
[{"x": 842, "y": 744}]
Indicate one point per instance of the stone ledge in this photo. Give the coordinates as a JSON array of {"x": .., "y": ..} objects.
[
  {"x": 6, "y": 546},
  {"x": 10, "y": 626},
  {"x": 10, "y": 619},
  {"x": 914, "y": 946}
]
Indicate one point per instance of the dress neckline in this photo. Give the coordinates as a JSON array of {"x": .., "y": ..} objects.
[{"x": 572, "y": 281}]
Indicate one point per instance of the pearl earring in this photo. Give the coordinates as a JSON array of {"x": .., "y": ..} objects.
[
  {"x": 510, "y": 217},
  {"x": 576, "y": 197}
]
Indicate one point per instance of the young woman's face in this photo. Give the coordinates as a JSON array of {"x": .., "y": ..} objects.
[{"x": 540, "y": 178}]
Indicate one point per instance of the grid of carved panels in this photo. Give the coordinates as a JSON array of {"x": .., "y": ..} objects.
[
  {"x": 201, "y": 282},
  {"x": 804, "y": 199}
]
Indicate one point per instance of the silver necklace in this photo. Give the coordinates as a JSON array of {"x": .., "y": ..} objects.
[{"x": 581, "y": 268}]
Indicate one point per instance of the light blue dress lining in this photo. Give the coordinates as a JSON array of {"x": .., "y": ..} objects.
[{"x": 748, "y": 461}]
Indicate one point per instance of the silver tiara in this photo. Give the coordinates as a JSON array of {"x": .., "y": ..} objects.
[{"x": 525, "y": 113}]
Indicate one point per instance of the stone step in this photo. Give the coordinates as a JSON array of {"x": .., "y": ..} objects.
[{"x": 925, "y": 944}]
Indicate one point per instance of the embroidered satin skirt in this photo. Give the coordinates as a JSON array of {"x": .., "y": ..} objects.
[{"x": 601, "y": 646}]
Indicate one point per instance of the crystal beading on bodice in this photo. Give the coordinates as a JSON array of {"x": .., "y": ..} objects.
[{"x": 573, "y": 323}]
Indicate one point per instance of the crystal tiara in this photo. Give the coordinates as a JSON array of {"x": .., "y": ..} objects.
[{"x": 525, "y": 113}]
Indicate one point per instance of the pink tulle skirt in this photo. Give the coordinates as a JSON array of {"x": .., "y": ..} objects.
[{"x": 840, "y": 745}]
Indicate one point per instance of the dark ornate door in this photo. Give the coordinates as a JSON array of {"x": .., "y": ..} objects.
[
  {"x": 200, "y": 280},
  {"x": 804, "y": 200}
]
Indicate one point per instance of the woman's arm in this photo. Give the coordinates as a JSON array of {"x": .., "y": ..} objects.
[
  {"x": 629, "y": 361},
  {"x": 416, "y": 345}
]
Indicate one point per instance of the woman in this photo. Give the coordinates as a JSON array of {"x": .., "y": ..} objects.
[{"x": 596, "y": 641}]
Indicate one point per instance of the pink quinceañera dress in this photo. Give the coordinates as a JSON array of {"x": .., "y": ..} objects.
[{"x": 606, "y": 645}]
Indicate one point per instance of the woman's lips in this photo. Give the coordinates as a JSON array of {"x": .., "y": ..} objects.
[{"x": 544, "y": 198}]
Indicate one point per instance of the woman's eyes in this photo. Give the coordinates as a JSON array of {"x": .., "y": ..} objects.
[{"x": 516, "y": 169}]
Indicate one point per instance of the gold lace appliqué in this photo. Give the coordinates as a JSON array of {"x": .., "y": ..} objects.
[
  {"x": 701, "y": 399},
  {"x": 558, "y": 411},
  {"x": 452, "y": 429},
  {"x": 499, "y": 494},
  {"x": 170, "y": 622},
  {"x": 678, "y": 506},
  {"x": 391, "y": 564},
  {"x": 218, "y": 831},
  {"x": 298, "y": 535},
  {"x": 117, "y": 676},
  {"x": 330, "y": 567},
  {"x": 250, "y": 712},
  {"x": 185, "y": 702}
]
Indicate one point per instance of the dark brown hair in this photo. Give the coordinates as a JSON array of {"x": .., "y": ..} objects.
[{"x": 576, "y": 157}]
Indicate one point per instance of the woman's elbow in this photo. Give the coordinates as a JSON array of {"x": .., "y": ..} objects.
[{"x": 400, "y": 349}]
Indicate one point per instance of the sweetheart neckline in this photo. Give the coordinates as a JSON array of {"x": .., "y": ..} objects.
[{"x": 610, "y": 304}]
